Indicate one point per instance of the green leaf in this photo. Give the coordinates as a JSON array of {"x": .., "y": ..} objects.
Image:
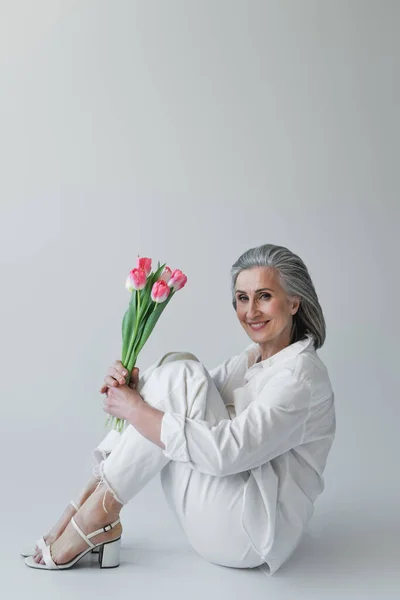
[
  {"x": 151, "y": 322},
  {"x": 128, "y": 359},
  {"x": 128, "y": 324},
  {"x": 158, "y": 272}
]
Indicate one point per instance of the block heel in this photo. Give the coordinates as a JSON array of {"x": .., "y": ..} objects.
[{"x": 109, "y": 554}]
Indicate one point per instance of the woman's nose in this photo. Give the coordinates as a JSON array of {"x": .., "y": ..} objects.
[{"x": 252, "y": 309}]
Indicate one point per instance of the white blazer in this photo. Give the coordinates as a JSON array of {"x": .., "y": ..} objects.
[{"x": 281, "y": 430}]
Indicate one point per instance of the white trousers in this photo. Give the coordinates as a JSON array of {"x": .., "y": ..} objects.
[{"x": 208, "y": 508}]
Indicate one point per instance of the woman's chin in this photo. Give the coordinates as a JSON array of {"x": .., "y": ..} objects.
[{"x": 258, "y": 337}]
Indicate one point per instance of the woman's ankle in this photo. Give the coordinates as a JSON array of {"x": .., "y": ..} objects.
[
  {"x": 87, "y": 491},
  {"x": 100, "y": 509}
]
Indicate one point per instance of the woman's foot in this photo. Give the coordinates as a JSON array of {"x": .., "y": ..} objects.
[
  {"x": 90, "y": 517},
  {"x": 65, "y": 518}
]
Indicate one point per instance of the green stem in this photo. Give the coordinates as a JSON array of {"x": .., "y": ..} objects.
[{"x": 132, "y": 340}]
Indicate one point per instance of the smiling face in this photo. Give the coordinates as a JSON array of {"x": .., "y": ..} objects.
[{"x": 260, "y": 298}]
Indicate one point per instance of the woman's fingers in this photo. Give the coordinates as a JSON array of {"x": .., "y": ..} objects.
[
  {"x": 118, "y": 366},
  {"x": 115, "y": 376},
  {"x": 110, "y": 382}
]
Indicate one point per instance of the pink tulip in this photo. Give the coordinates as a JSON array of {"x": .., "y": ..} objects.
[
  {"x": 178, "y": 280},
  {"x": 166, "y": 274},
  {"x": 160, "y": 291},
  {"x": 145, "y": 264},
  {"x": 136, "y": 280}
]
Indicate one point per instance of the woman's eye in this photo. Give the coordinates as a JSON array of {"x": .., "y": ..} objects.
[{"x": 262, "y": 295}]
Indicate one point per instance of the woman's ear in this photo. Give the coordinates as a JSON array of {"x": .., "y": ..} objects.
[{"x": 295, "y": 304}]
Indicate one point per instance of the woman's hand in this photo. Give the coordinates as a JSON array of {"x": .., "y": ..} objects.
[
  {"x": 116, "y": 375},
  {"x": 121, "y": 399}
]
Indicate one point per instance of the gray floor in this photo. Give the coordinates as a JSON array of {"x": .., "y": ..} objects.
[{"x": 350, "y": 551}]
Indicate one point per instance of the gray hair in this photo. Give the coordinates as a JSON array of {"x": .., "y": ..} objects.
[{"x": 294, "y": 278}]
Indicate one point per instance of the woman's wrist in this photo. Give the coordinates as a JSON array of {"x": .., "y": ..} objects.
[
  {"x": 133, "y": 412},
  {"x": 147, "y": 421}
]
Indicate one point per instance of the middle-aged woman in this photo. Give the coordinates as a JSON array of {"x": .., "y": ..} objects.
[{"x": 240, "y": 450}]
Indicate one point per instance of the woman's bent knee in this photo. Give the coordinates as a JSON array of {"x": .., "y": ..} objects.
[
  {"x": 182, "y": 367},
  {"x": 174, "y": 356}
]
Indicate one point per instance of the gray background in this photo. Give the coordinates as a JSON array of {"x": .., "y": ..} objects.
[{"x": 190, "y": 131}]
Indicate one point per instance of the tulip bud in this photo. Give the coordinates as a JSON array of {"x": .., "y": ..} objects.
[
  {"x": 145, "y": 264},
  {"x": 136, "y": 280},
  {"x": 178, "y": 280},
  {"x": 160, "y": 291},
  {"x": 166, "y": 275}
]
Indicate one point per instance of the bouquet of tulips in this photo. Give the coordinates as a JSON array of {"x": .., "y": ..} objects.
[{"x": 150, "y": 294}]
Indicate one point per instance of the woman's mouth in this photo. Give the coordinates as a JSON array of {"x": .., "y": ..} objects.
[{"x": 258, "y": 326}]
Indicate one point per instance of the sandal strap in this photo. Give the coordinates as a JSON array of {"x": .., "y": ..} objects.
[
  {"x": 49, "y": 562},
  {"x": 83, "y": 536},
  {"x": 76, "y": 507},
  {"x": 41, "y": 543},
  {"x": 104, "y": 529},
  {"x": 86, "y": 537}
]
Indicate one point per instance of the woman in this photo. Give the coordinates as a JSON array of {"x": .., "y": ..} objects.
[{"x": 240, "y": 450}]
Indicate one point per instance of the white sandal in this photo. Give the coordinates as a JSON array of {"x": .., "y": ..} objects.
[
  {"x": 108, "y": 555},
  {"x": 41, "y": 544}
]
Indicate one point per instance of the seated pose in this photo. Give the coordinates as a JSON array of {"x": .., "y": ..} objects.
[{"x": 240, "y": 450}]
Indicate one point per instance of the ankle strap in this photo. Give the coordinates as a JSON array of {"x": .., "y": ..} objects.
[{"x": 90, "y": 535}]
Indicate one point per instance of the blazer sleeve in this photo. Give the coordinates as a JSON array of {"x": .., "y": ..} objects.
[{"x": 273, "y": 423}]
